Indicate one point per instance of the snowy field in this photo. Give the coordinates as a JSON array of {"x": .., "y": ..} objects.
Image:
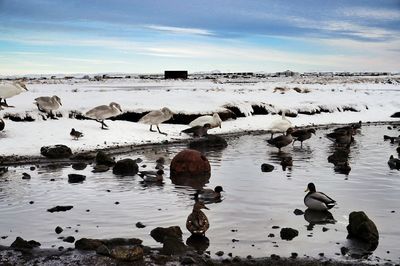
[{"x": 371, "y": 99}]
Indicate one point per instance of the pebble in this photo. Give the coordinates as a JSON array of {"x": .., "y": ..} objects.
[
  {"x": 298, "y": 212},
  {"x": 275, "y": 227},
  {"x": 294, "y": 255},
  {"x": 69, "y": 239},
  {"x": 58, "y": 230},
  {"x": 324, "y": 229},
  {"x": 26, "y": 176},
  {"x": 219, "y": 253},
  {"x": 116, "y": 203},
  {"x": 32, "y": 168},
  {"x": 234, "y": 240},
  {"x": 140, "y": 225},
  {"x": 271, "y": 235},
  {"x": 31, "y": 202}
]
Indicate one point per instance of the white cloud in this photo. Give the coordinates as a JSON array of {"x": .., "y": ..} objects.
[
  {"x": 367, "y": 13},
  {"x": 180, "y": 30}
]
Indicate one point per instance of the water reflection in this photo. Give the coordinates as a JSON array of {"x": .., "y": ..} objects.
[
  {"x": 318, "y": 218},
  {"x": 198, "y": 242}
]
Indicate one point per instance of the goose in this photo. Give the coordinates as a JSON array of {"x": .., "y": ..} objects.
[
  {"x": 2, "y": 124},
  {"x": 302, "y": 135},
  {"x": 214, "y": 121},
  {"x": 279, "y": 125},
  {"x": 48, "y": 104},
  {"x": 209, "y": 194},
  {"x": 75, "y": 134},
  {"x": 157, "y": 117},
  {"x": 197, "y": 222},
  {"x": 394, "y": 163},
  {"x": 102, "y": 112},
  {"x": 152, "y": 176},
  {"x": 10, "y": 89},
  {"x": 282, "y": 141},
  {"x": 197, "y": 131},
  {"x": 317, "y": 201}
]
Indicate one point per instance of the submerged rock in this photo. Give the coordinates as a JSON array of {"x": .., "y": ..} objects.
[
  {"x": 79, "y": 166},
  {"x": 19, "y": 243},
  {"x": 60, "y": 208},
  {"x": 173, "y": 246},
  {"x": 208, "y": 141},
  {"x": 127, "y": 167},
  {"x": 160, "y": 233},
  {"x": 94, "y": 244},
  {"x": 100, "y": 168},
  {"x": 104, "y": 159},
  {"x": 362, "y": 228},
  {"x": 58, "y": 151},
  {"x": 76, "y": 178},
  {"x": 288, "y": 233},
  {"x": 26, "y": 176},
  {"x": 265, "y": 167},
  {"x": 69, "y": 239}
]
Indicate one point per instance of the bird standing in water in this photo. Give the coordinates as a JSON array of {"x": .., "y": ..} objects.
[
  {"x": 282, "y": 141},
  {"x": 317, "y": 201},
  {"x": 197, "y": 222},
  {"x": 302, "y": 135}
]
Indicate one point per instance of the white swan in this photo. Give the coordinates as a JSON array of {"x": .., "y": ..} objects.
[
  {"x": 48, "y": 104},
  {"x": 10, "y": 89},
  {"x": 280, "y": 125},
  {"x": 102, "y": 112},
  {"x": 214, "y": 121},
  {"x": 157, "y": 117}
]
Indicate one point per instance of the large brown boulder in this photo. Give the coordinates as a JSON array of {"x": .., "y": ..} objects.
[
  {"x": 362, "y": 228},
  {"x": 126, "y": 167},
  {"x": 58, "y": 151}
]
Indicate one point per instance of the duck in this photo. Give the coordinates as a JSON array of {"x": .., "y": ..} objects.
[
  {"x": 75, "y": 134},
  {"x": 214, "y": 121},
  {"x": 2, "y": 124},
  {"x": 342, "y": 136},
  {"x": 317, "y": 201},
  {"x": 394, "y": 163},
  {"x": 342, "y": 167},
  {"x": 48, "y": 104},
  {"x": 279, "y": 125},
  {"x": 10, "y": 89},
  {"x": 156, "y": 117},
  {"x": 209, "y": 194},
  {"x": 102, "y": 112},
  {"x": 152, "y": 176},
  {"x": 392, "y": 139},
  {"x": 197, "y": 222},
  {"x": 282, "y": 141},
  {"x": 198, "y": 131},
  {"x": 302, "y": 135},
  {"x": 356, "y": 126}
]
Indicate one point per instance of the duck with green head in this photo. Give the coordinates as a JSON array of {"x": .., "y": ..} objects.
[{"x": 317, "y": 201}]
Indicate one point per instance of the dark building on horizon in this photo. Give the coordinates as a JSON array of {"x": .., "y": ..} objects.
[{"x": 175, "y": 74}]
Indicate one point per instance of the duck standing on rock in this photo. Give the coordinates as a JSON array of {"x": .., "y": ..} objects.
[
  {"x": 8, "y": 90},
  {"x": 280, "y": 125},
  {"x": 282, "y": 141},
  {"x": 198, "y": 131},
  {"x": 197, "y": 222},
  {"x": 317, "y": 201},
  {"x": 75, "y": 134},
  {"x": 157, "y": 117},
  {"x": 302, "y": 135},
  {"x": 48, "y": 104},
  {"x": 214, "y": 121},
  {"x": 102, "y": 112}
]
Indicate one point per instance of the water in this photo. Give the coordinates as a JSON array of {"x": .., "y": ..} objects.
[{"x": 252, "y": 204}]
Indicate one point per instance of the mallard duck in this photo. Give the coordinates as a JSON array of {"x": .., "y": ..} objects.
[
  {"x": 282, "y": 141},
  {"x": 209, "y": 194},
  {"x": 197, "y": 131},
  {"x": 394, "y": 163},
  {"x": 152, "y": 176},
  {"x": 48, "y": 104},
  {"x": 2, "y": 124},
  {"x": 214, "y": 121},
  {"x": 8, "y": 90},
  {"x": 102, "y": 112},
  {"x": 317, "y": 201},
  {"x": 197, "y": 222},
  {"x": 302, "y": 135},
  {"x": 280, "y": 125},
  {"x": 75, "y": 134},
  {"x": 157, "y": 117}
]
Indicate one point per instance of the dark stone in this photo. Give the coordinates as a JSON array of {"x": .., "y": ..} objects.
[
  {"x": 396, "y": 115},
  {"x": 188, "y": 260},
  {"x": 265, "y": 167},
  {"x": 140, "y": 225},
  {"x": 103, "y": 250},
  {"x": 288, "y": 233},
  {"x": 32, "y": 168},
  {"x": 94, "y": 244},
  {"x": 126, "y": 167},
  {"x": 160, "y": 160},
  {"x": 324, "y": 229},
  {"x": 26, "y": 176},
  {"x": 121, "y": 241},
  {"x": 298, "y": 212},
  {"x": 31, "y": 202},
  {"x": 100, "y": 168},
  {"x": 83, "y": 156},
  {"x": 58, "y": 151},
  {"x": 294, "y": 255},
  {"x": 275, "y": 227},
  {"x": 271, "y": 235},
  {"x": 60, "y": 208},
  {"x": 208, "y": 141},
  {"x": 219, "y": 253},
  {"x": 21, "y": 244},
  {"x": 104, "y": 159},
  {"x": 127, "y": 253},
  {"x": 362, "y": 228},
  {"x": 58, "y": 230},
  {"x": 173, "y": 246},
  {"x": 344, "y": 250},
  {"x": 160, "y": 233},
  {"x": 76, "y": 178},
  {"x": 79, "y": 166},
  {"x": 69, "y": 239}
]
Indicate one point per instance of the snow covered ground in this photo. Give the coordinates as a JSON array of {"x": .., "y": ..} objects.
[{"x": 373, "y": 100}]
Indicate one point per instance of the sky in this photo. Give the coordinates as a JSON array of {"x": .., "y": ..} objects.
[{"x": 129, "y": 36}]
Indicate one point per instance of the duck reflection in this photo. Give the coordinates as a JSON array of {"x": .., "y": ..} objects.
[
  {"x": 198, "y": 242},
  {"x": 318, "y": 218},
  {"x": 340, "y": 159}
]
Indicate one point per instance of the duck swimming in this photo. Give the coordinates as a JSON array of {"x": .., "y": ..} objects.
[
  {"x": 209, "y": 194},
  {"x": 317, "y": 201},
  {"x": 197, "y": 222}
]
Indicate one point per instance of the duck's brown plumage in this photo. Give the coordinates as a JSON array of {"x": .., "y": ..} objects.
[
  {"x": 283, "y": 140},
  {"x": 302, "y": 135},
  {"x": 197, "y": 222}
]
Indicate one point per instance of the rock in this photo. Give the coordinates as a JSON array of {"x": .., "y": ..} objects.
[
  {"x": 298, "y": 212},
  {"x": 88, "y": 244},
  {"x": 265, "y": 167},
  {"x": 26, "y": 176},
  {"x": 103, "y": 250},
  {"x": 58, "y": 230},
  {"x": 126, "y": 167},
  {"x": 160, "y": 233},
  {"x": 271, "y": 235},
  {"x": 20, "y": 243},
  {"x": 219, "y": 253},
  {"x": 186, "y": 260},
  {"x": 76, "y": 178},
  {"x": 58, "y": 151},
  {"x": 32, "y": 168},
  {"x": 127, "y": 253},
  {"x": 84, "y": 156},
  {"x": 69, "y": 239},
  {"x": 140, "y": 225},
  {"x": 396, "y": 115},
  {"x": 60, "y": 208},
  {"x": 324, "y": 229},
  {"x": 344, "y": 250},
  {"x": 79, "y": 166},
  {"x": 160, "y": 160},
  {"x": 288, "y": 233},
  {"x": 294, "y": 255},
  {"x": 209, "y": 141},
  {"x": 100, "y": 168},
  {"x": 104, "y": 159},
  {"x": 121, "y": 241},
  {"x": 173, "y": 246},
  {"x": 362, "y": 228}
]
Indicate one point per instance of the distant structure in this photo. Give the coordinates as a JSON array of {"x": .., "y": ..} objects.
[{"x": 175, "y": 74}]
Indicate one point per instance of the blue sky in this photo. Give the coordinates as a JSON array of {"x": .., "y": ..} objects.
[{"x": 92, "y": 36}]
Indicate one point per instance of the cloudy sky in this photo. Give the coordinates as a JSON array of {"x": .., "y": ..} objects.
[{"x": 92, "y": 36}]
